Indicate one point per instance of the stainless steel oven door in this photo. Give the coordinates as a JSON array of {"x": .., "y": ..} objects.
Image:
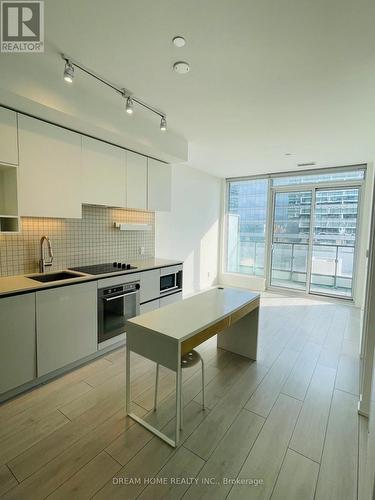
[{"x": 114, "y": 309}]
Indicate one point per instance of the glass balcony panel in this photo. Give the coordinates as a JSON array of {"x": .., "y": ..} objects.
[{"x": 246, "y": 226}]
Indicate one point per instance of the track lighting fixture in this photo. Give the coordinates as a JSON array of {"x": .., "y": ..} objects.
[
  {"x": 129, "y": 105},
  {"x": 163, "y": 124},
  {"x": 68, "y": 72},
  {"x": 70, "y": 66}
]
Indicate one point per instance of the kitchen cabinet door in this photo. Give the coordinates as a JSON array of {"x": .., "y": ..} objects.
[
  {"x": 49, "y": 170},
  {"x": 8, "y": 137},
  {"x": 150, "y": 306},
  {"x": 17, "y": 337},
  {"x": 66, "y": 325},
  {"x": 136, "y": 181},
  {"x": 150, "y": 285},
  {"x": 170, "y": 299},
  {"x": 159, "y": 186},
  {"x": 103, "y": 173}
]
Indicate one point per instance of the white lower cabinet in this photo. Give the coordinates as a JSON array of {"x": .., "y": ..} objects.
[
  {"x": 170, "y": 299},
  {"x": 150, "y": 306},
  {"x": 66, "y": 319},
  {"x": 17, "y": 337}
]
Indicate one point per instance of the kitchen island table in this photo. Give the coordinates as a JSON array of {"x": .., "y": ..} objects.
[{"x": 166, "y": 334}]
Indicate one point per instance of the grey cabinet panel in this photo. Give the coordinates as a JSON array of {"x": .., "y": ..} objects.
[
  {"x": 150, "y": 285},
  {"x": 170, "y": 299},
  {"x": 150, "y": 306},
  {"x": 66, "y": 320},
  {"x": 17, "y": 337}
]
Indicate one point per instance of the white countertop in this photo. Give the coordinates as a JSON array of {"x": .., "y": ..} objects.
[
  {"x": 10, "y": 285},
  {"x": 184, "y": 319}
]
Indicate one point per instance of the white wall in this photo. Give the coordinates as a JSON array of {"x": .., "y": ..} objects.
[
  {"x": 191, "y": 230},
  {"x": 364, "y": 236}
]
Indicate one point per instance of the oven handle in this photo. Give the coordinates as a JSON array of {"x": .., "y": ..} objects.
[{"x": 119, "y": 296}]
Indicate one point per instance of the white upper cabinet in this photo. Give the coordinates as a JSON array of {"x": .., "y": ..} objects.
[
  {"x": 60, "y": 170},
  {"x": 49, "y": 170},
  {"x": 136, "y": 181},
  {"x": 8, "y": 137},
  {"x": 103, "y": 173},
  {"x": 159, "y": 186}
]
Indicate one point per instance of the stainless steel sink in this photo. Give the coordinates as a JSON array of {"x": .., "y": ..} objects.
[{"x": 62, "y": 275}]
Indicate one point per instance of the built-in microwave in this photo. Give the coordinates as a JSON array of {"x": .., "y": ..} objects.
[{"x": 171, "y": 282}]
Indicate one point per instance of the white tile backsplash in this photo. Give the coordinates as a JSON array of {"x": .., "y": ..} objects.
[{"x": 75, "y": 242}]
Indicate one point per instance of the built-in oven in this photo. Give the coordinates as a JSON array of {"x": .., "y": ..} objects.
[
  {"x": 170, "y": 281},
  {"x": 116, "y": 304}
]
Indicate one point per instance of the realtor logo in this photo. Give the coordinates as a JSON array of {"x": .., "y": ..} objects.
[{"x": 22, "y": 26}]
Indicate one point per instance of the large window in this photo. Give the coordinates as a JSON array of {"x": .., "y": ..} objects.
[
  {"x": 311, "y": 223},
  {"x": 246, "y": 229}
]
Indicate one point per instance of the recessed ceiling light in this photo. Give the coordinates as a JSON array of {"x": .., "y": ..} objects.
[
  {"x": 179, "y": 41},
  {"x": 181, "y": 67}
]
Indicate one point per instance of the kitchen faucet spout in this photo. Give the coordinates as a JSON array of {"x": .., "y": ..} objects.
[{"x": 43, "y": 263}]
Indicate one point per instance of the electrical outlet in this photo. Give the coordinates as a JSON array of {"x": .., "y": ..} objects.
[{"x": 141, "y": 250}]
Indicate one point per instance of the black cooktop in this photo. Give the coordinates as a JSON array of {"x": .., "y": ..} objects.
[{"x": 104, "y": 268}]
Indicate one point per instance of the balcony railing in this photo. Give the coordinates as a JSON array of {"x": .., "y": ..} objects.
[{"x": 331, "y": 271}]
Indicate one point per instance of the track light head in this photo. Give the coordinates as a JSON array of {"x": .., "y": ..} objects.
[
  {"x": 129, "y": 105},
  {"x": 163, "y": 124},
  {"x": 69, "y": 72}
]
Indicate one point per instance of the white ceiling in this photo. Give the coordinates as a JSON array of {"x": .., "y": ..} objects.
[{"x": 267, "y": 76}]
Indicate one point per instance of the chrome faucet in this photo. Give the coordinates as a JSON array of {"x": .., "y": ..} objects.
[{"x": 43, "y": 263}]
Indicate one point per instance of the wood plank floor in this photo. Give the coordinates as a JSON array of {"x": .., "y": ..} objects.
[{"x": 284, "y": 427}]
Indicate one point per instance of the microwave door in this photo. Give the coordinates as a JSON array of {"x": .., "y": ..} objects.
[{"x": 167, "y": 282}]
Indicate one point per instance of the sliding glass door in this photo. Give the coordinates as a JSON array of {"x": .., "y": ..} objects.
[
  {"x": 313, "y": 240},
  {"x": 291, "y": 239},
  {"x": 334, "y": 241}
]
